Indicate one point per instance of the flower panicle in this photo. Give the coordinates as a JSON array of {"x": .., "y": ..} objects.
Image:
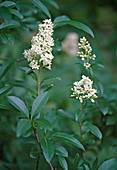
[
  {"x": 41, "y": 46},
  {"x": 86, "y": 52},
  {"x": 83, "y": 90}
]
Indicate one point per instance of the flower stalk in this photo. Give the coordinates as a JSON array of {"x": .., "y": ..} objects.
[
  {"x": 39, "y": 80},
  {"x": 81, "y": 121}
]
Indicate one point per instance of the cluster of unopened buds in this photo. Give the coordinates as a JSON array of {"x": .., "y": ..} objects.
[
  {"x": 41, "y": 47},
  {"x": 83, "y": 90},
  {"x": 85, "y": 54}
]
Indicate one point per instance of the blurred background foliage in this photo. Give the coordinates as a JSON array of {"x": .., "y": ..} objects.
[{"x": 19, "y": 22}]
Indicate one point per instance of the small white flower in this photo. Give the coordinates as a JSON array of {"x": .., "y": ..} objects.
[
  {"x": 86, "y": 53},
  {"x": 41, "y": 46},
  {"x": 83, "y": 90}
]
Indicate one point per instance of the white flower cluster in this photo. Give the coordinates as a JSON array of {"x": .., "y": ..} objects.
[
  {"x": 41, "y": 46},
  {"x": 83, "y": 90},
  {"x": 85, "y": 54}
]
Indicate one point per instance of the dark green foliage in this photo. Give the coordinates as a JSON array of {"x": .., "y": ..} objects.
[{"x": 56, "y": 117}]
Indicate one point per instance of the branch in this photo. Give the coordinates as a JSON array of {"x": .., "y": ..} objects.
[
  {"x": 37, "y": 165},
  {"x": 38, "y": 141},
  {"x": 17, "y": 60}
]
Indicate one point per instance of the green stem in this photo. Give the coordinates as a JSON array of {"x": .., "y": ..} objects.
[
  {"x": 81, "y": 121},
  {"x": 39, "y": 81},
  {"x": 90, "y": 73},
  {"x": 81, "y": 129}
]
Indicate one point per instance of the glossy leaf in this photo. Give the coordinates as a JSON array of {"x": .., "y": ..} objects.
[
  {"x": 48, "y": 149},
  {"x": 22, "y": 126},
  {"x": 69, "y": 139},
  {"x": 45, "y": 124},
  {"x": 11, "y": 38},
  {"x": 16, "y": 13},
  {"x": 5, "y": 67},
  {"x": 76, "y": 161},
  {"x": 61, "y": 151},
  {"x": 4, "y": 104},
  {"x": 41, "y": 6},
  {"x": 11, "y": 24},
  {"x": 76, "y": 24},
  {"x": 18, "y": 83},
  {"x": 66, "y": 114},
  {"x": 5, "y": 90},
  {"x": 94, "y": 130},
  {"x": 95, "y": 164},
  {"x": 3, "y": 39},
  {"x": 50, "y": 78},
  {"x": 8, "y": 4},
  {"x": 63, "y": 163},
  {"x": 110, "y": 164},
  {"x": 103, "y": 107},
  {"x": 53, "y": 3},
  {"x": 115, "y": 149},
  {"x": 34, "y": 153},
  {"x": 57, "y": 45},
  {"x": 39, "y": 103},
  {"x": 18, "y": 104},
  {"x": 61, "y": 18}
]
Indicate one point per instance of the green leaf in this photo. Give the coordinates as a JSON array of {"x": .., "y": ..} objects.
[
  {"x": 69, "y": 138},
  {"x": 34, "y": 153},
  {"x": 18, "y": 104},
  {"x": 110, "y": 164},
  {"x": 18, "y": 83},
  {"x": 57, "y": 45},
  {"x": 8, "y": 4},
  {"x": 46, "y": 88},
  {"x": 94, "y": 130},
  {"x": 11, "y": 38},
  {"x": 76, "y": 24},
  {"x": 11, "y": 24},
  {"x": 85, "y": 165},
  {"x": 5, "y": 67},
  {"x": 22, "y": 127},
  {"x": 76, "y": 161},
  {"x": 26, "y": 69},
  {"x": 41, "y": 6},
  {"x": 115, "y": 149},
  {"x": 53, "y": 3},
  {"x": 4, "y": 104},
  {"x": 61, "y": 151},
  {"x": 63, "y": 163},
  {"x": 16, "y": 13},
  {"x": 103, "y": 107},
  {"x": 29, "y": 20},
  {"x": 48, "y": 149},
  {"x": 95, "y": 164},
  {"x": 45, "y": 124},
  {"x": 39, "y": 103},
  {"x": 66, "y": 114},
  {"x": 110, "y": 120},
  {"x": 50, "y": 78},
  {"x": 5, "y": 90},
  {"x": 61, "y": 18},
  {"x": 81, "y": 114},
  {"x": 3, "y": 39}
]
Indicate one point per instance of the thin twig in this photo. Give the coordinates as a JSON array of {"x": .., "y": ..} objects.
[
  {"x": 51, "y": 166},
  {"x": 81, "y": 130},
  {"x": 37, "y": 165},
  {"x": 20, "y": 59},
  {"x": 81, "y": 121},
  {"x": 35, "y": 132},
  {"x": 17, "y": 60},
  {"x": 24, "y": 100},
  {"x": 39, "y": 81}
]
